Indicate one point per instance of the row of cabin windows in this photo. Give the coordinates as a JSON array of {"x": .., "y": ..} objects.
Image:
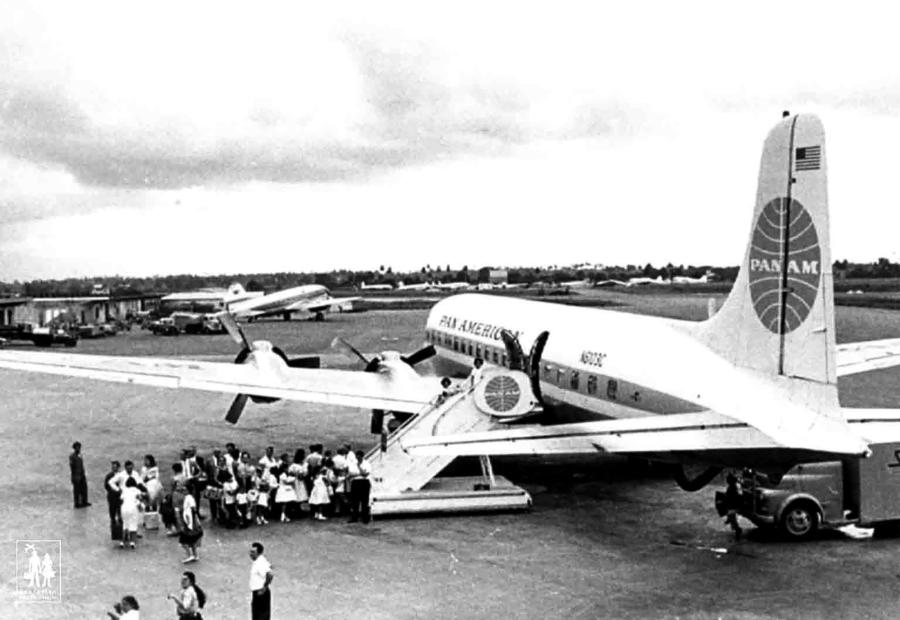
[
  {"x": 552, "y": 374},
  {"x": 557, "y": 375},
  {"x": 466, "y": 347}
]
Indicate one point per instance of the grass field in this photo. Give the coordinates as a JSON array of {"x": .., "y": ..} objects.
[{"x": 603, "y": 540}]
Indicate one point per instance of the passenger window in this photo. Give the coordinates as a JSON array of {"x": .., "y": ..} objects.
[
  {"x": 455, "y": 344},
  {"x": 612, "y": 386},
  {"x": 478, "y": 351},
  {"x": 574, "y": 380},
  {"x": 496, "y": 358},
  {"x": 470, "y": 348},
  {"x": 560, "y": 373},
  {"x": 503, "y": 360},
  {"x": 592, "y": 384}
]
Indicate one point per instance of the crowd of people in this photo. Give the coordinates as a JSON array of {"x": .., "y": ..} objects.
[
  {"x": 238, "y": 490},
  {"x": 242, "y": 490}
]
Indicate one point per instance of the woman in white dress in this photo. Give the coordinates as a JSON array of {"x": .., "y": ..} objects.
[
  {"x": 150, "y": 476},
  {"x": 131, "y": 512},
  {"x": 286, "y": 496},
  {"x": 299, "y": 470}
]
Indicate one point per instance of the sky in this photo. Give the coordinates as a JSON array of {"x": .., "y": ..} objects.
[{"x": 214, "y": 137}]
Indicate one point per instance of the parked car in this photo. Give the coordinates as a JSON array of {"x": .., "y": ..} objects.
[
  {"x": 164, "y": 327},
  {"x": 48, "y": 336}
]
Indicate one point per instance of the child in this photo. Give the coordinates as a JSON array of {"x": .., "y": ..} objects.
[
  {"x": 319, "y": 499},
  {"x": 242, "y": 504},
  {"x": 229, "y": 499},
  {"x": 264, "y": 485},
  {"x": 167, "y": 514}
]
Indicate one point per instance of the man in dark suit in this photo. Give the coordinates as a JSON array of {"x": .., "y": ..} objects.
[{"x": 79, "y": 480}]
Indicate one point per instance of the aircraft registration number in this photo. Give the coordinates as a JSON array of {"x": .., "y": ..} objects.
[{"x": 592, "y": 358}]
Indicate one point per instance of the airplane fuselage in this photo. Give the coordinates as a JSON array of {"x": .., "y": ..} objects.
[
  {"x": 280, "y": 301},
  {"x": 597, "y": 364}
]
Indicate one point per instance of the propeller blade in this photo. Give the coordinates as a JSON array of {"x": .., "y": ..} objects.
[
  {"x": 346, "y": 347},
  {"x": 419, "y": 356},
  {"x": 513, "y": 350},
  {"x": 534, "y": 364},
  {"x": 305, "y": 362},
  {"x": 236, "y": 409},
  {"x": 234, "y": 330}
]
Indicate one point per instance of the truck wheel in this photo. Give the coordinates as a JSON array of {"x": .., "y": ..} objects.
[{"x": 800, "y": 520}]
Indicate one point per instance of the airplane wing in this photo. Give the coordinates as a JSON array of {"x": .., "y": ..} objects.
[
  {"x": 856, "y": 357},
  {"x": 251, "y": 314},
  {"x": 684, "y": 432},
  {"x": 317, "y": 305},
  {"x": 704, "y": 436},
  {"x": 387, "y": 389}
]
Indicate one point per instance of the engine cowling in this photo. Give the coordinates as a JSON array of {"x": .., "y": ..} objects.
[{"x": 266, "y": 358}]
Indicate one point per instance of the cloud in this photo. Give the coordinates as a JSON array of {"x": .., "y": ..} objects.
[{"x": 319, "y": 101}]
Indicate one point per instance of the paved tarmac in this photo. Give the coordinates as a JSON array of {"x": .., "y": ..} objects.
[{"x": 604, "y": 539}]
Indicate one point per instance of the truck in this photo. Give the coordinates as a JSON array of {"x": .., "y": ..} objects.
[
  {"x": 830, "y": 494},
  {"x": 40, "y": 336}
]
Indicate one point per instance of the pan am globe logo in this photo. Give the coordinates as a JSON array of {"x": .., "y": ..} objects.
[{"x": 781, "y": 224}]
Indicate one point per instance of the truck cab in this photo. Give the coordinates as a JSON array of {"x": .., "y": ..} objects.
[
  {"x": 806, "y": 497},
  {"x": 829, "y": 494}
]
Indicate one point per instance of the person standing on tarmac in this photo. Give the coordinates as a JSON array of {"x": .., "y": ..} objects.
[
  {"x": 733, "y": 502},
  {"x": 79, "y": 480},
  {"x": 112, "y": 496},
  {"x": 260, "y": 580},
  {"x": 360, "y": 486}
]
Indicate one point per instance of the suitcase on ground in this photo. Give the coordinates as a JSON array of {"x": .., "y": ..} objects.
[
  {"x": 115, "y": 530},
  {"x": 151, "y": 520}
]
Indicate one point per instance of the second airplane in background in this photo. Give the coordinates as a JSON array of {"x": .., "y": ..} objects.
[{"x": 313, "y": 298}]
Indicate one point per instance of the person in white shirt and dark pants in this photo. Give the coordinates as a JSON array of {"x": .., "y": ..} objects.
[
  {"x": 260, "y": 578},
  {"x": 360, "y": 486}
]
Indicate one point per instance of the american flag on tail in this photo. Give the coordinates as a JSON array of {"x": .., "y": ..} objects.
[{"x": 808, "y": 158}]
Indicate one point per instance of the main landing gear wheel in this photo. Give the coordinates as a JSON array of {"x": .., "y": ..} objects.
[
  {"x": 693, "y": 480},
  {"x": 800, "y": 520}
]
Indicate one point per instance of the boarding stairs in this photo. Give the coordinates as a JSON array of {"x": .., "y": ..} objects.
[{"x": 403, "y": 482}]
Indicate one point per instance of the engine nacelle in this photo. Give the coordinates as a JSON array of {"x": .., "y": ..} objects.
[{"x": 266, "y": 358}]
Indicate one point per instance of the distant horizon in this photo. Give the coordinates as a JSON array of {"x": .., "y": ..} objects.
[{"x": 453, "y": 272}]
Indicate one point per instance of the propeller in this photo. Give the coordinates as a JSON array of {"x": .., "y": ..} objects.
[
  {"x": 374, "y": 364},
  {"x": 530, "y": 364},
  {"x": 257, "y": 348},
  {"x": 419, "y": 356}
]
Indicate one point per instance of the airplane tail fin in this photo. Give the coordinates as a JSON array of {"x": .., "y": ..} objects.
[
  {"x": 779, "y": 317},
  {"x": 236, "y": 290}
]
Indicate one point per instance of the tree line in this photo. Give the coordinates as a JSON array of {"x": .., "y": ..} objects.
[{"x": 119, "y": 286}]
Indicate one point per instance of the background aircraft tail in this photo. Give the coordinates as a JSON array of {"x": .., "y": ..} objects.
[
  {"x": 779, "y": 317},
  {"x": 236, "y": 290}
]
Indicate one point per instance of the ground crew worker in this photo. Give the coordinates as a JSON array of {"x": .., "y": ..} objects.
[
  {"x": 733, "y": 502},
  {"x": 475, "y": 375}
]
